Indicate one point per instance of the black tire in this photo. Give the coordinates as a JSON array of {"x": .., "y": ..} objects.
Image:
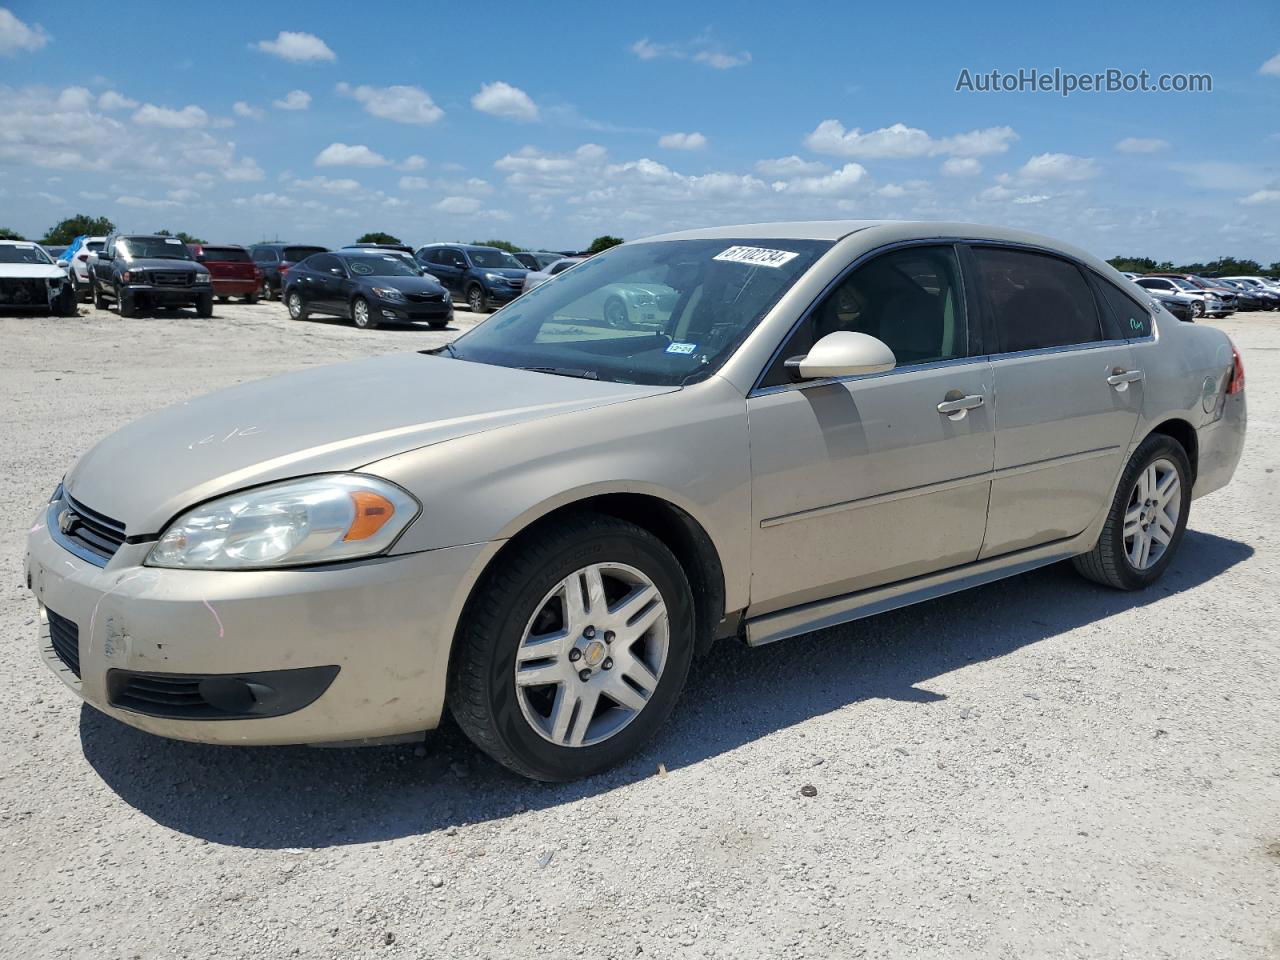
[
  {"x": 99, "y": 301},
  {"x": 438, "y": 324},
  {"x": 1197, "y": 309},
  {"x": 1108, "y": 562},
  {"x": 68, "y": 302},
  {"x": 251, "y": 298},
  {"x": 204, "y": 306},
  {"x": 222, "y": 298},
  {"x": 482, "y": 691},
  {"x": 477, "y": 302},
  {"x": 362, "y": 314},
  {"x": 126, "y": 304},
  {"x": 296, "y": 305},
  {"x": 616, "y": 314}
]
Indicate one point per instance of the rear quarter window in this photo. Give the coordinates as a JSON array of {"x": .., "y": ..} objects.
[
  {"x": 294, "y": 254},
  {"x": 1127, "y": 318}
]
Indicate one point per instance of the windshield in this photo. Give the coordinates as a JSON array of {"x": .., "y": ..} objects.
[
  {"x": 23, "y": 253},
  {"x": 226, "y": 255},
  {"x": 665, "y": 313},
  {"x": 495, "y": 258},
  {"x": 383, "y": 266},
  {"x": 153, "y": 248}
]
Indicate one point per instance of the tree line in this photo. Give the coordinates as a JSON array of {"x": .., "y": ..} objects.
[{"x": 1223, "y": 266}]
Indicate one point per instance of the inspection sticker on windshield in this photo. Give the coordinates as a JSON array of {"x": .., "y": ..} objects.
[
  {"x": 679, "y": 347},
  {"x": 756, "y": 256},
  {"x": 174, "y": 240}
]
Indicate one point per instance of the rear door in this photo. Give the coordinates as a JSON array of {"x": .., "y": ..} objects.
[
  {"x": 326, "y": 276},
  {"x": 1068, "y": 393}
]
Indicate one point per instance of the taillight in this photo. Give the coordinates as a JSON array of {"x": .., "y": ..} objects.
[
  {"x": 82, "y": 256},
  {"x": 1235, "y": 383}
]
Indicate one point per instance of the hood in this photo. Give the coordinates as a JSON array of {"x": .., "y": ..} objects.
[
  {"x": 405, "y": 284},
  {"x": 325, "y": 419},
  {"x": 31, "y": 271}
]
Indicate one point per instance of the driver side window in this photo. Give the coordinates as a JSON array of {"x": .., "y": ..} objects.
[{"x": 912, "y": 299}]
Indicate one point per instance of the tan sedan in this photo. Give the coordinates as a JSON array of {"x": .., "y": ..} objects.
[{"x": 539, "y": 526}]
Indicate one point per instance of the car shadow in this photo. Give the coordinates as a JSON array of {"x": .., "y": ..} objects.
[
  {"x": 273, "y": 797},
  {"x": 412, "y": 326}
]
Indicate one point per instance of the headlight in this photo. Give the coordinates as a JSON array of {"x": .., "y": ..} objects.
[
  {"x": 202, "y": 278},
  {"x": 388, "y": 293},
  {"x": 134, "y": 276},
  {"x": 495, "y": 278},
  {"x": 316, "y": 520}
]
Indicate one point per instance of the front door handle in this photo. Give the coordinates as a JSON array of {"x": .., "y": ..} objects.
[
  {"x": 956, "y": 405},
  {"x": 1121, "y": 378}
]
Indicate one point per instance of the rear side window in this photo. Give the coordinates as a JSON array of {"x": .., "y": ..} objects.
[
  {"x": 265, "y": 255},
  {"x": 1036, "y": 300},
  {"x": 1131, "y": 319},
  {"x": 294, "y": 254},
  {"x": 225, "y": 254},
  {"x": 324, "y": 263}
]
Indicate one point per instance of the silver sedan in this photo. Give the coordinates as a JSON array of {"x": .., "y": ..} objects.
[{"x": 539, "y": 526}]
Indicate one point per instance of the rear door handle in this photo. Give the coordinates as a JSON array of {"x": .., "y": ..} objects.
[
  {"x": 1121, "y": 378},
  {"x": 955, "y": 408}
]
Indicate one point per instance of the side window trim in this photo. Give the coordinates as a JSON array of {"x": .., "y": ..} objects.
[
  {"x": 758, "y": 388},
  {"x": 992, "y": 335}
]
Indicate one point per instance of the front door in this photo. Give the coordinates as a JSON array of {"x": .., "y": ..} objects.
[
  {"x": 864, "y": 481},
  {"x": 1068, "y": 397}
]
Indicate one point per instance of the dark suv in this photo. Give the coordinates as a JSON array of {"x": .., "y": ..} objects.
[
  {"x": 484, "y": 276},
  {"x": 275, "y": 259},
  {"x": 138, "y": 270}
]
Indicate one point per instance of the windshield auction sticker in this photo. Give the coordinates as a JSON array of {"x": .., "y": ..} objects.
[{"x": 756, "y": 256}]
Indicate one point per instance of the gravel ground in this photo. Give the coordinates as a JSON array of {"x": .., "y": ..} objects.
[{"x": 1037, "y": 768}]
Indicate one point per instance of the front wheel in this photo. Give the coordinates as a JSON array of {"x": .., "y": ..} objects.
[
  {"x": 476, "y": 300},
  {"x": 66, "y": 305},
  {"x": 1197, "y": 309},
  {"x": 1147, "y": 519},
  {"x": 126, "y": 304},
  {"x": 204, "y": 306},
  {"x": 361, "y": 316},
  {"x": 574, "y": 649},
  {"x": 99, "y": 301},
  {"x": 297, "y": 309},
  {"x": 615, "y": 313},
  {"x": 265, "y": 291}
]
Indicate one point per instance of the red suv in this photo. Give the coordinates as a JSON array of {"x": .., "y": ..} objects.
[{"x": 231, "y": 269}]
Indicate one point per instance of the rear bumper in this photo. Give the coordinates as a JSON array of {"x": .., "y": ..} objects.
[
  {"x": 366, "y": 645},
  {"x": 1221, "y": 443},
  {"x": 235, "y": 288}
]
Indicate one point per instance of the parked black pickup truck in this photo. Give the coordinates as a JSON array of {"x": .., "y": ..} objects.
[{"x": 139, "y": 271}]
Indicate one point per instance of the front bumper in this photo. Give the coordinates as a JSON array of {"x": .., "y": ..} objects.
[
  {"x": 503, "y": 294},
  {"x": 386, "y": 624},
  {"x": 152, "y": 293},
  {"x": 404, "y": 311}
]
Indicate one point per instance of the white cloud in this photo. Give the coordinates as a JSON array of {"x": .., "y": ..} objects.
[
  {"x": 133, "y": 201},
  {"x": 682, "y": 141},
  {"x": 245, "y": 169},
  {"x": 900, "y": 141},
  {"x": 183, "y": 195},
  {"x": 413, "y": 162},
  {"x": 700, "y": 50},
  {"x": 297, "y": 47},
  {"x": 344, "y": 155},
  {"x": 188, "y": 118},
  {"x": 503, "y": 100},
  {"x": 1271, "y": 68},
  {"x": 1031, "y": 198},
  {"x": 242, "y": 109},
  {"x": 458, "y": 205},
  {"x": 15, "y": 35},
  {"x": 75, "y": 98},
  {"x": 110, "y": 100},
  {"x": 791, "y": 166},
  {"x": 1259, "y": 197},
  {"x": 293, "y": 100},
  {"x": 1059, "y": 166},
  {"x": 326, "y": 185},
  {"x": 414, "y": 183},
  {"x": 961, "y": 167},
  {"x": 1142, "y": 145},
  {"x": 401, "y": 104},
  {"x": 847, "y": 178}
]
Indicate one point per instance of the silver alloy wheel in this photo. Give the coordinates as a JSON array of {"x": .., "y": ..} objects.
[
  {"x": 592, "y": 654},
  {"x": 1151, "y": 516},
  {"x": 266, "y": 289},
  {"x": 295, "y": 306},
  {"x": 475, "y": 300},
  {"x": 360, "y": 313}
]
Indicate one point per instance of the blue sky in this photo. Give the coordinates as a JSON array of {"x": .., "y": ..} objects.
[{"x": 552, "y": 126}]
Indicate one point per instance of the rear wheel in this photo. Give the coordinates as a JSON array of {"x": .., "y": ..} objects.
[
  {"x": 574, "y": 649},
  {"x": 615, "y": 313},
  {"x": 361, "y": 315},
  {"x": 1147, "y": 519},
  {"x": 297, "y": 309},
  {"x": 251, "y": 298},
  {"x": 265, "y": 291}
]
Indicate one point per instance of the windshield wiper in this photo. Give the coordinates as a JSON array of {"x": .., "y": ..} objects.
[{"x": 565, "y": 372}]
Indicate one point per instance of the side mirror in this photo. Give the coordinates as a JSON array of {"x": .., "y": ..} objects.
[
  {"x": 843, "y": 354},
  {"x": 63, "y": 264}
]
